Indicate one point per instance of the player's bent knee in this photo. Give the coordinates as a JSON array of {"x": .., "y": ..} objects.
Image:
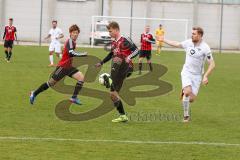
[
  {"x": 51, "y": 82},
  {"x": 187, "y": 94},
  {"x": 78, "y": 76},
  {"x": 187, "y": 91},
  {"x": 192, "y": 98}
]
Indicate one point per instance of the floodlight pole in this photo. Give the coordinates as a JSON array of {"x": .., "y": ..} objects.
[
  {"x": 221, "y": 27},
  {"x": 131, "y": 19},
  {"x": 102, "y": 7},
  {"x": 40, "y": 33}
]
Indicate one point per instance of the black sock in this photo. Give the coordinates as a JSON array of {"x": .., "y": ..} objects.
[
  {"x": 42, "y": 88},
  {"x": 140, "y": 67},
  {"x": 77, "y": 89},
  {"x": 118, "y": 104},
  {"x": 6, "y": 53},
  {"x": 9, "y": 55},
  {"x": 150, "y": 66}
]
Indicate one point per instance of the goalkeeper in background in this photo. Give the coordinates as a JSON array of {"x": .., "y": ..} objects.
[{"x": 159, "y": 33}]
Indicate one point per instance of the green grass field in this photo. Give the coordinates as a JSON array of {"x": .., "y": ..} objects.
[{"x": 214, "y": 127}]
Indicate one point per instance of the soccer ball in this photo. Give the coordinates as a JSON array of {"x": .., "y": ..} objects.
[{"x": 103, "y": 78}]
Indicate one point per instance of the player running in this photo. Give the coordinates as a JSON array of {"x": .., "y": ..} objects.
[
  {"x": 123, "y": 50},
  {"x": 146, "y": 48},
  {"x": 56, "y": 34},
  {"x": 159, "y": 33},
  {"x": 65, "y": 68},
  {"x": 10, "y": 34},
  {"x": 197, "y": 52}
]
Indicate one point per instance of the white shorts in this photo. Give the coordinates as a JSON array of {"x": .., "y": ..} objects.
[
  {"x": 189, "y": 79},
  {"x": 55, "y": 47}
]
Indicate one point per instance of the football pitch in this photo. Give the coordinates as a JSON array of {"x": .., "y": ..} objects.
[{"x": 35, "y": 132}]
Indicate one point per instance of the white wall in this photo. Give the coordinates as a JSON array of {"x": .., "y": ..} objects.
[{"x": 26, "y": 14}]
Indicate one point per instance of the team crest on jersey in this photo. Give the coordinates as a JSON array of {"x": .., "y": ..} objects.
[{"x": 192, "y": 51}]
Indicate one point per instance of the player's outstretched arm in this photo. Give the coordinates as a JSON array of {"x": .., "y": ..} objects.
[
  {"x": 106, "y": 59},
  {"x": 211, "y": 66},
  {"x": 72, "y": 52},
  {"x": 170, "y": 42},
  {"x": 173, "y": 43}
]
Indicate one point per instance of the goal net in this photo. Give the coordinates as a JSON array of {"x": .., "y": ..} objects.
[{"x": 133, "y": 27}]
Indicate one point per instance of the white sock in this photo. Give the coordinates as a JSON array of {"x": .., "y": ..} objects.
[
  {"x": 51, "y": 59},
  {"x": 186, "y": 104}
]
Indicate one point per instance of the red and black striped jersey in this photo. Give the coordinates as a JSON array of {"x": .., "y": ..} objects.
[
  {"x": 66, "y": 60},
  {"x": 146, "y": 41},
  {"x": 68, "y": 54},
  {"x": 124, "y": 48},
  {"x": 9, "y": 33}
]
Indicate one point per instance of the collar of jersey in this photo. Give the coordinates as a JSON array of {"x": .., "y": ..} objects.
[{"x": 119, "y": 38}]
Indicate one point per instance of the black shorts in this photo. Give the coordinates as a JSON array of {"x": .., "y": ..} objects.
[
  {"x": 8, "y": 44},
  {"x": 119, "y": 72},
  {"x": 147, "y": 54},
  {"x": 61, "y": 72}
]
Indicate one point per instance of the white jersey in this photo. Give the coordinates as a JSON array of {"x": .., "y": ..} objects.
[
  {"x": 196, "y": 56},
  {"x": 55, "y": 33}
]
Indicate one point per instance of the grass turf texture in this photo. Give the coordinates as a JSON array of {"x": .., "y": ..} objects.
[{"x": 215, "y": 115}]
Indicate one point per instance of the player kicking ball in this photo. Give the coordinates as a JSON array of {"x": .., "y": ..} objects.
[
  {"x": 197, "y": 52},
  {"x": 65, "y": 68},
  {"x": 123, "y": 50}
]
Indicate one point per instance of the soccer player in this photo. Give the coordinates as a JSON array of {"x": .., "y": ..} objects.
[
  {"x": 146, "y": 48},
  {"x": 159, "y": 33},
  {"x": 65, "y": 68},
  {"x": 123, "y": 50},
  {"x": 10, "y": 34},
  {"x": 197, "y": 52},
  {"x": 56, "y": 34}
]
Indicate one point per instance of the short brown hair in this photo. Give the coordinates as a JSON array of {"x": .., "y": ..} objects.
[
  {"x": 10, "y": 19},
  {"x": 199, "y": 30},
  {"x": 74, "y": 28},
  {"x": 113, "y": 25},
  {"x": 54, "y": 21}
]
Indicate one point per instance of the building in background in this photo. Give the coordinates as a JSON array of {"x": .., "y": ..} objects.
[{"x": 205, "y": 13}]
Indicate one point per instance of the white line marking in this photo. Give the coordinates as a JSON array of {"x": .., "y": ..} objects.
[{"x": 118, "y": 141}]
